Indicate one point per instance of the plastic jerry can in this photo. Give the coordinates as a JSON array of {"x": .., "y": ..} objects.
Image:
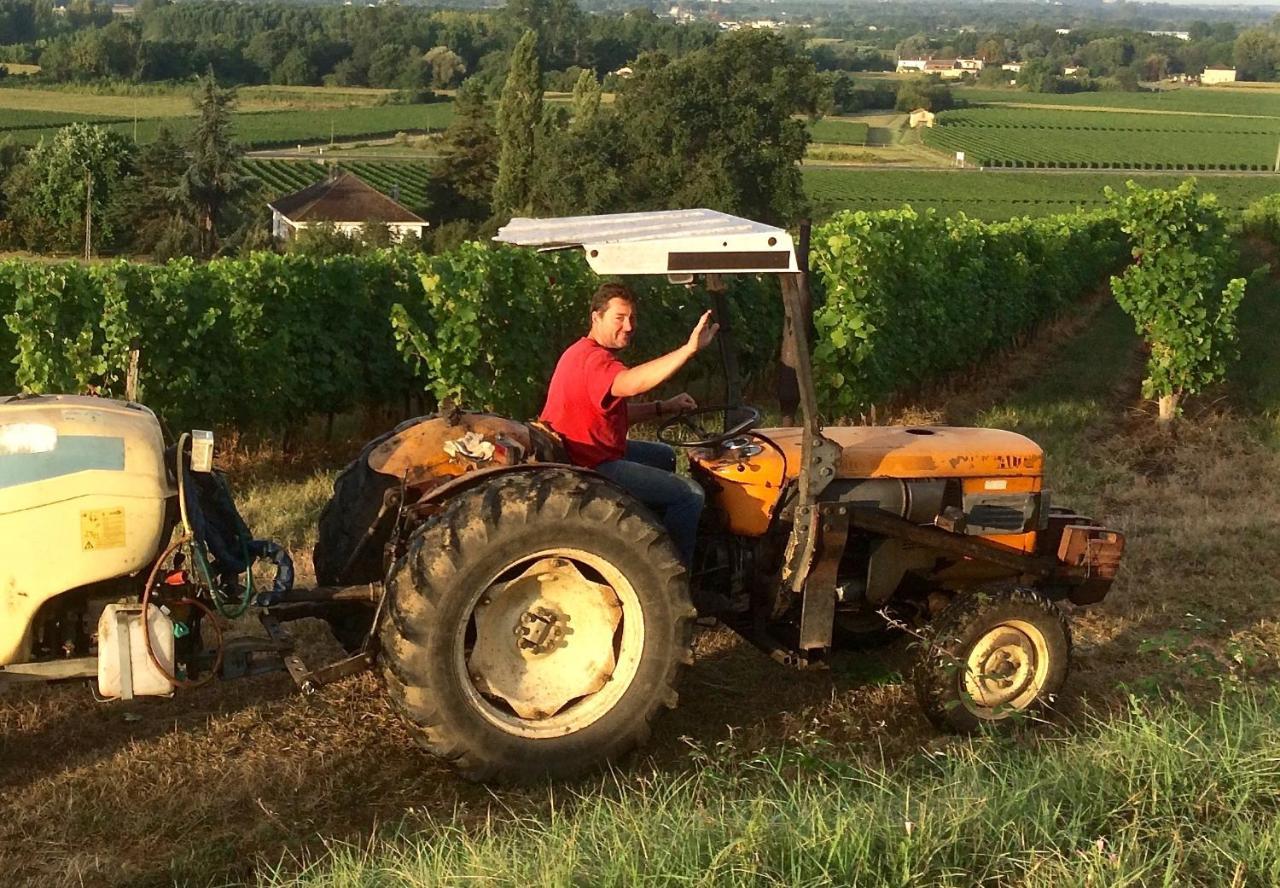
[{"x": 124, "y": 669}]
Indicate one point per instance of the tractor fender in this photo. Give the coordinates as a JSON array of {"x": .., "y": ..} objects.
[{"x": 477, "y": 477}]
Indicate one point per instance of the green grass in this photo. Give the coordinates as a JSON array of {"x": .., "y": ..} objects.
[
  {"x": 1107, "y": 139},
  {"x": 1216, "y": 100},
  {"x": 1165, "y": 794},
  {"x": 1002, "y": 195},
  {"x": 22, "y": 120},
  {"x": 839, "y": 132},
  {"x": 265, "y": 129}
]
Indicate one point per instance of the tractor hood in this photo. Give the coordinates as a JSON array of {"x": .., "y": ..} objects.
[{"x": 919, "y": 451}]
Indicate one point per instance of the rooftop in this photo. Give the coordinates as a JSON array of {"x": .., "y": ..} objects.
[{"x": 345, "y": 198}]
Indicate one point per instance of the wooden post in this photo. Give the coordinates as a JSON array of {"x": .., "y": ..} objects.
[
  {"x": 1277, "y": 166},
  {"x": 88, "y": 214},
  {"x": 131, "y": 376}
]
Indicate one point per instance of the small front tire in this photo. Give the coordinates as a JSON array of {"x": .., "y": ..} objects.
[{"x": 993, "y": 655}]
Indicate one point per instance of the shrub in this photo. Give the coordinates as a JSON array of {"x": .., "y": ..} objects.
[{"x": 1178, "y": 289}]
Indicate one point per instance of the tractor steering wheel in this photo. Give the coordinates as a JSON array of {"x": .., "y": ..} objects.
[{"x": 687, "y": 421}]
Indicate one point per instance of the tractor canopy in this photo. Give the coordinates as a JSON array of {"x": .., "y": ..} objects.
[{"x": 678, "y": 243}]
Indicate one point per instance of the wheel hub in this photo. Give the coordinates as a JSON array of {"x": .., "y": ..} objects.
[
  {"x": 545, "y": 638},
  {"x": 1002, "y": 671}
]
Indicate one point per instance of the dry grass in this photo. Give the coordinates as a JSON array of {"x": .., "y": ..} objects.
[{"x": 211, "y": 787}]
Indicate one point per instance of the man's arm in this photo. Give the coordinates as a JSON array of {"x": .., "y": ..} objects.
[{"x": 651, "y": 374}]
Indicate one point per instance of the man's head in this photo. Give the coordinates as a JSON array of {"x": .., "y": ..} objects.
[{"x": 613, "y": 316}]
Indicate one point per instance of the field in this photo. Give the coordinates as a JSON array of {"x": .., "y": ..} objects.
[
  {"x": 1106, "y": 139},
  {"x": 405, "y": 177},
  {"x": 1001, "y": 195},
  {"x": 1202, "y": 100},
  {"x": 840, "y": 132},
  {"x": 1159, "y": 769},
  {"x": 268, "y": 129}
]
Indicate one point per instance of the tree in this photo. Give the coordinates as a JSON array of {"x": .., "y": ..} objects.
[
  {"x": 212, "y": 182},
  {"x": 519, "y": 112},
  {"x": 447, "y": 67},
  {"x": 81, "y": 169},
  {"x": 1178, "y": 290},
  {"x": 586, "y": 100},
  {"x": 923, "y": 92},
  {"x": 1257, "y": 54},
  {"x": 462, "y": 178},
  {"x": 717, "y": 127},
  {"x": 150, "y": 208}
]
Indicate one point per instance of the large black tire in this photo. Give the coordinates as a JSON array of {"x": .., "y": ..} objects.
[
  {"x": 431, "y": 619},
  {"x": 993, "y": 655}
]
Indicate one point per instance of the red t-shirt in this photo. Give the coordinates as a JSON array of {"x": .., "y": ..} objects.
[{"x": 580, "y": 408}]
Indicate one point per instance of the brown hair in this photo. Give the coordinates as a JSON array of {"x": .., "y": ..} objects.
[{"x": 607, "y": 292}]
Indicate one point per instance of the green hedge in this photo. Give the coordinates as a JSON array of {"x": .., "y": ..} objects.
[
  {"x": 266, "y": 341},
  {"x": 909, "y": 296}
]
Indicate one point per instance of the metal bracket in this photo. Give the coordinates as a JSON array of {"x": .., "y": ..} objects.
[{"x": 818, "y": 608}]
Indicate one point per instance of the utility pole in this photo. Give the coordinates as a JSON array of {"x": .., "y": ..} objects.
[
  {"x": 88, "y": 214},
  {"x": 1277, "y": 166}
]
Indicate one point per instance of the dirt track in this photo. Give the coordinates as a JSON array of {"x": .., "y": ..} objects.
[{"x": 213, "y": 786}]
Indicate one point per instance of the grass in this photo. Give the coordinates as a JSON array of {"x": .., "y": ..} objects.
[
  {"x": 1114, "y": 139},
  {"x": 1001, "y": 195},
  {"x": 1216, "y": 100},
  {"x": 1160, "y": 795},
  {"x": 264, "y": 129},
  {"x": 838, "y": 131}
]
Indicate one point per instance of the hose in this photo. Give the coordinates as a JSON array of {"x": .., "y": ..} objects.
[
  {"x": 197, "y": 549},
  {"x": 146, "y": 626}
]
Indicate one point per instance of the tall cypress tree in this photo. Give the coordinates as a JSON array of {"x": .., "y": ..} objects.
[
  {"x": 519, "y": 112},
  {"x": 586, "y": 100},
  {"x": 212, "y": 181}
]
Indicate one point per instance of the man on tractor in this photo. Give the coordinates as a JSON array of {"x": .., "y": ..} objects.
[{"x": 589, "y": 405}]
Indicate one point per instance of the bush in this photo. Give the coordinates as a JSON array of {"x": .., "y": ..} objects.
[
  {"x": 1262, "y": 219},
  {"x": 1178, "y": 289}
]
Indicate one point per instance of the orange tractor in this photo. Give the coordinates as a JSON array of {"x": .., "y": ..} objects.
[{"x": 531, "y": 618}]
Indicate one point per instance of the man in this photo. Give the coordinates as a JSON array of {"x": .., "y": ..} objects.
[{"x": 588, "y": 404}]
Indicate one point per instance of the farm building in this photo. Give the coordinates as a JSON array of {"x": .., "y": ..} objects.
[
  {"x": 920, "y": 117},
  {"x": 1218, "y": 74},
  {"x": 1015, "y": 67},
  {"x": 347, "y": 203},
  {"x": 911, "y": 64}
]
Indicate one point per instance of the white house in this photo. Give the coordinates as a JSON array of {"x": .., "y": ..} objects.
[
  {"x": 920, "y": 117},
  {"x": 1015, "y": 67},
  {"x": 347, "y": 203},
  {"x": 1218, "y": 74},
  {"x": 911, "y": 64}
]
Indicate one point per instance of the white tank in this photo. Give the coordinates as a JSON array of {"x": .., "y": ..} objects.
[{"x": 82, "y": 498}]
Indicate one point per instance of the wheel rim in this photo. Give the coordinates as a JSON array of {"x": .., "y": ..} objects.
[
  {"x": 552, "y": 644},
  {"x": 1005, "y": 671}
]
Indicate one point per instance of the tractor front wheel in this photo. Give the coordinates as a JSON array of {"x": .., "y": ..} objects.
[
  {"x": 536, "y": 627},
  {"x": 993, "y": 655}
]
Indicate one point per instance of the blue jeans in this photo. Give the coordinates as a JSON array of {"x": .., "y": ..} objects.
[{"x": 648, "y": 472}]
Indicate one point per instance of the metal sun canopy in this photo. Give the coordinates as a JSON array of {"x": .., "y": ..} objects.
[{"x": 670, "y": 242}]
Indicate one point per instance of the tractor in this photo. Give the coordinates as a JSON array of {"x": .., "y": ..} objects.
[{"x": 529, "y": 617}]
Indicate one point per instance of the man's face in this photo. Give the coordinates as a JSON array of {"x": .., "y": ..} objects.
[{"x": 614, "y": 326}]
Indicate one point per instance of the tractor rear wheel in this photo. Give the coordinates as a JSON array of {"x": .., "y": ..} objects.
[
  {"x": 536, "y": 627},
  {"x": 993, "y": 655}
]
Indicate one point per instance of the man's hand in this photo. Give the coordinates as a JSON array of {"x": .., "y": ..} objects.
[
  {"x": 703, "y": 333},
  {"x": 681, "y": 403}
]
